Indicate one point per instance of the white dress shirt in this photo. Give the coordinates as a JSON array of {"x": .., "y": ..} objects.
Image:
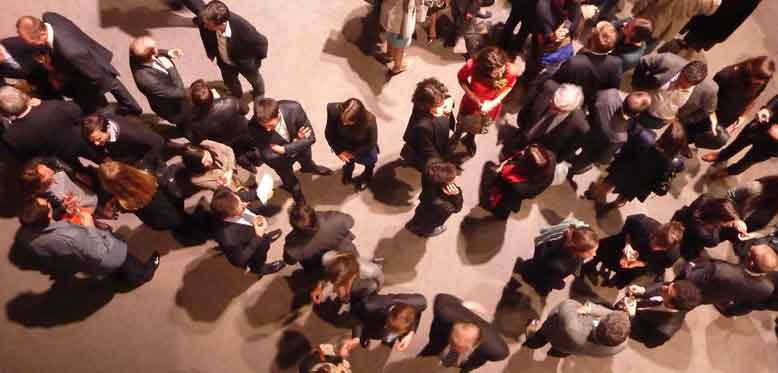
[
  {"x": 221, "y": 39},
  {"x": 281, "y": 129},
  {"x": 666, "y": 100}
]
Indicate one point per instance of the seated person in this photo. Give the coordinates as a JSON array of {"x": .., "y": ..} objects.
[
  {"x": 659, "y": 310},
  {"x": 121, "y": 140},
  {"x": 524, "y": 175},
  {"x": 560, "y": 251},
  {"x": 242, "y": 235},
  {"x": 644, "y": 246},
  {"x": 440, "y": 198},
  {"x": 461, "y": 338},
  {"x": 315, "y": 233},
  {"x": 391, "y": 318},
  {"x": 585, "y": 329},
  {"x": 66, "y": 248}
]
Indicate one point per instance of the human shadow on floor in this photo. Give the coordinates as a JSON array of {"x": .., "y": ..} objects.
[
  {"x": 426, "y": 364},
  {"x": 518, "y": 305},
  {"x": 401, "y": 254},
  {"x": 676, "y": 354},
  {"x": 731, "y": 345},
  {"x": 144, "y": 241},
  {"x": 326, "y": 190},
  {"x": 522, "y": 361},
  {"x": 210, "y": 283},
  {"x": 136, "y": 20},
  {"x": 10, "y": 188},
  {"x": 394, "y": 184},
  {"x": 481, "y": 237},
  {"x": 292, "y": 347}
]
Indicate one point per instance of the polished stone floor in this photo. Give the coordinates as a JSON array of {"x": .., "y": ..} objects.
[{"x": 201, "y": 315}]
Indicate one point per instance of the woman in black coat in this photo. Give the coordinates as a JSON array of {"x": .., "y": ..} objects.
[
  {"x": 524, "y": 175},
  {"x": 706, "y": 221},
  {"x": 642, "y": 167},
  {"x": 706, "y": 31},
  {"x": 352, "y": 134}
]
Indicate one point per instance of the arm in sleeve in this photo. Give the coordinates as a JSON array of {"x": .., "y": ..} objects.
[
  {"x": 302, "y": 122},
  {"x": 155, "y": 86},
  {"x": 371, "y": 141}
]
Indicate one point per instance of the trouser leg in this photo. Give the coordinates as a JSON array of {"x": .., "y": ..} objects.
[
  {"x": 127, "y": 103},
  {"x": 754, "y": 156},
  {"x": 256, "y": 81},
  {"x": 136, "y": 272},
  {"x": 230, "y": 78}
]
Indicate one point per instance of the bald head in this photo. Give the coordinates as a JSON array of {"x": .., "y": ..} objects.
[
  {"x": 32, "y": 30},
  {"x": 465, "y": 336},
  {"x": 143, "y": 48},
  {"x": 762, "y": 259}
]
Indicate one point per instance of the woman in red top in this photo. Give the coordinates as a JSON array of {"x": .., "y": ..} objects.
[{"x": 487, "y": 79}]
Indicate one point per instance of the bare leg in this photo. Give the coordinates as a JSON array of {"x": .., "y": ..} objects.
[{"x": 398, "y": 55}]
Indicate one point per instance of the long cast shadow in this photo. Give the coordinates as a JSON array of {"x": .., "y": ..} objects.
[
  {"x": 136, "y": 20},
  {"x": 390, "y": 187},
  {"x": 401, "y": 254},
  {"x": 481, "y": 237}
]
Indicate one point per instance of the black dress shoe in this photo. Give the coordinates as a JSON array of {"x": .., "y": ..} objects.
[
  {"x": 273, "y": 267},
  {"x": 274, "y": 235},
  {"x": 318, "y": 170}
]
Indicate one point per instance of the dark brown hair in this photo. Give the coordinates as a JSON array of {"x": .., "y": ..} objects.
[
  {"x": 613, "y": 330},
  {"x": 303, "y": 218},
  {"x": 669, "y": 235},
  {"x": 200, "y": 94},
  {"x": 440, "y": 173},
  {"x": 401, "y": 318},
  {"x": 353, "y": 110},
  {"x": 265, "y": 109},
  {"x": 92, "y": 123},
  {"x": 488, "y": 60},
  {"x": 31, "y": 179},
  {"x": 224, "y": 203},
  {"x": 759, "y": 68},
  {"x": 192, "y": 158},
  {"x": 581, "y": 240},
  {"x": 215, "y": 12},
  {"x": 34, "y": 213},
  {"x": 429, "y": 93},
  {"x": 342, "y": 269},
  {"x": 687, "y": 295}
]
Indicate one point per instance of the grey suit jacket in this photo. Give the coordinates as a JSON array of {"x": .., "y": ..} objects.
[
  {"x": 655, "y": 70},
  {"x": 701, "y": 104},
  {"x": 568, "y": 331},
  {"x": 72, "y": 247}
]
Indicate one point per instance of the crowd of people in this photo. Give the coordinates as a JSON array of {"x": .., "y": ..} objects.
[{"x": 84, "y": 162}]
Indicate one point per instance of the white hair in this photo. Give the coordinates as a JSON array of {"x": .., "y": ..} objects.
[
  {"x": 568, "y": 97},
  {"x": 13, "y": 102}
]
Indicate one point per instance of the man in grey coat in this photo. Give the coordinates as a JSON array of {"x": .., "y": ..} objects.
[
  {"x": 66, "y": 248},
  {"x": 588, "y": 329}
]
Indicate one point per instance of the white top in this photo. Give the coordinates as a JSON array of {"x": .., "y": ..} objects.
[
  {"x": 666, "y": 101},
  {"x": 281, "y": 129},
  {"x": 221, "y": 39}
]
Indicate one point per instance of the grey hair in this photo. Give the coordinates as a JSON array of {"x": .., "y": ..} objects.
[
  {"x": 568, "y": 97},
  {"x": 13, "y": 102}
]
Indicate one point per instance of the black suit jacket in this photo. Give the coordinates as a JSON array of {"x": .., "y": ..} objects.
[
  {"x": 295, "y": 119},
  {"x": 241, "y": 245},
  {"x": 372, "y": 311},
  {"x": 50, "y": 129},
  {"x": 136, "y": 145},
  {"x": 722, "y": 282},
  {"x": 655, "y": 70},
  {"x": 448, "y": 310},
  {"x": 343, "y": 139},
  {"x": 566, "y": 138},
  {"x": 550, "y": 264},
  {"x": 85, "y": 63},
  {"x": 165, "y": 92},
  {"x": 23, "y": 53},
  {"x": 653, "y": 325},
  {"x": 426, "y": 138},
  {"x": 246, "y": 47},
  {"x": 223, "y": 122},
  {"x": 334, "y": 234},
  {"x": 592, "y": 73}
]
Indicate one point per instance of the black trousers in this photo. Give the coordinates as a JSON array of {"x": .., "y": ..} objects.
[
  {"x": 90, "y": 100},
  {"x": 762, "y": 149},
  {"x": 283, "y": 166},
  {"x": 135, "y": 272},
  {"x": 230, "y": 76},
  {"x": 521, "y": 10}
]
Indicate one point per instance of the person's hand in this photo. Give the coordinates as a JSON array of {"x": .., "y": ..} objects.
[
  {"x": 451, "y": 189},
  {"x": 175, "y": 53},
  {"x": 488, "y": 105},
  {"x": 635, "y": 290},
  {"x": 740, "y": 226},
  {"x": 304, "y": 133},
  {"x": 316, "y": 294},
  {"x": 278, "y": 149},
  {"x": 627, "y": 263},
  {"x": 448, "y": 105},
  {"x": 745, "y": 236},
  {"x": 736, "y": 124},
  {"x": 714, "y": 129},
  {"x": 346, "y": 156},
  {"x": 763, "y": 116},
  {"x": 403, "y": 343},
  {"x": 260, "y": 225},
  {"x": 71, "y": 204},
  {"x": 631, "y": 306},
  {"x": 166, "y": 62},
  {"x": 585, "y": 309},
  {"x": 348, "y": 346}
]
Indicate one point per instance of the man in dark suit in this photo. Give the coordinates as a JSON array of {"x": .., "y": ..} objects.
[
  {"x": 123, "y": 140},
  {"x": 461, "y": 338},
  {"x": 283, "y": 135},
  {"x": 670, "y": 80},
  {"x": 698, "y": 116},
  {"x": 427, "y": 134},
  {"x": 241, "y": 234},
  {"x": 314, "y": 233},
  {"x": 42, "y": 128},
  {"x": 82, "y": 66},
  {"x": 65, "y": 248},
  {"x": 724, "y": 284},
  {"x": 593, "y": 68},
  {"x": 391, "y": 318},
  {"x": 235, "y": 44},
  {"x": 659, "y": 310},
  {"x": 554, "y": 120},
  {"x": 157, "y": 78},
  {"x": 219, "y": 119}
]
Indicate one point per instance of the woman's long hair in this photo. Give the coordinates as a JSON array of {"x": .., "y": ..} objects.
[
  {"x": 715, "y": 211},
  {"x": 353, "y": 110},
  {"x": 132, "y": 187},
  {"x": 192, "y": 157},
  {"x": 342, "y": 270},
  {"x": 488, "y": 60}
]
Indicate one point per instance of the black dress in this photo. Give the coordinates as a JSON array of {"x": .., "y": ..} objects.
[{"x": 638, "y": 167}]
